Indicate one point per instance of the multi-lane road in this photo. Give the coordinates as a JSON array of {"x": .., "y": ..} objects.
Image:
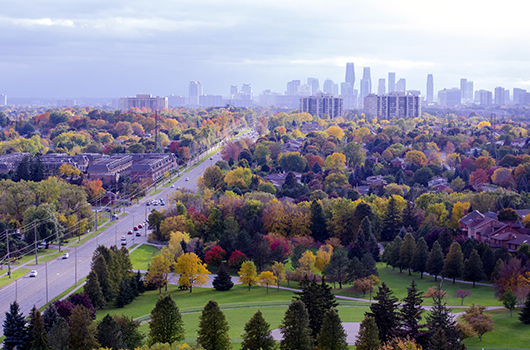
[{"x": 57, "y": 275}]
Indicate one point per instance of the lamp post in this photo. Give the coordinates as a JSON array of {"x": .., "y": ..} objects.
[{"x": 8, "y": 259}]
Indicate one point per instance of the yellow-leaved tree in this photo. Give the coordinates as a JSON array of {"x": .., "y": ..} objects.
[
  {"x": 192, "y": 270},
  {"x": 247, "y": 273},
  {"x": 159, "y": 268},
  {"x": 266, "y": 278},
  {"x": 279, "y": 272},
  {"x": 323, "y": 257},
  {"x": 458, "y": 212},
  {"x": 335, "y": 161},
  {"x": 307, "y": 262},
  {"x": 175, "y": 246}
]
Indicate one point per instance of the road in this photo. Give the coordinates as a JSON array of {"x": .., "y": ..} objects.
[{"x": 59, "y": 274}]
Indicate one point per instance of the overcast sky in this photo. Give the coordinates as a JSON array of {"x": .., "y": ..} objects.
[{"x": 113, "y": 48}]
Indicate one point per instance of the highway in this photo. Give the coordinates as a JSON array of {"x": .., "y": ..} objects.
[{"x": 59, "y": 274}]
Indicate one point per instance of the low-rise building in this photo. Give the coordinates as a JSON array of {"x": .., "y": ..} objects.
[
  {"x": 111, "y": 169},
  {"x": 153, "y": 166},
  {"x": 11, "y": 161}
]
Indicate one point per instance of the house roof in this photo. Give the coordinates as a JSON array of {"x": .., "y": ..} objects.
[{"x": 466, "y": 220}]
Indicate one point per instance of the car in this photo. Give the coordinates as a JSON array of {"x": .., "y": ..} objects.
[
  {"x": 155, "y": 203},
  {"x": 33, "y": 273},
  {"x": 123, "y": 240},
  {"x": 140, "y": 226},
  {"x": 138, "y": 234},
  {"x": 187, "y": 179},
  {"x": 65, "y": 256},
  {"x": 147, "y": 204},
  {"x": 129, "y": 232},
  {"x": 135, "y": 228},
  {"x": 172, "y": 186},
  {"x": 42, "y": 245}
]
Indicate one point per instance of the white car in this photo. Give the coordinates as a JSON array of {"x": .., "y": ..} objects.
[
  {"x": 123, "y": 240},
  {"x": 65, "y": 256},
  {"x": 187, "y": 179},
  {"x": 172, "y": 186},
  {"x": 33, "y": 273}
]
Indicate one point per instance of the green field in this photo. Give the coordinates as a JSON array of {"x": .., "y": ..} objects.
[
  {"x": 42, "y": 254},
  {"x": 5, "y": 280},
  {"x": 142, "y": 256}
]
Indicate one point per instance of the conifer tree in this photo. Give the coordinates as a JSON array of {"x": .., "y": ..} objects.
[
  {"x": 488, "y": 262},
  {"x": 445, "y": 239},
  {"x": 109, "y": 334},
  {"x": 15, "y": 332},
  {"x": 213, "y": 328},
  {"x": 295, "y": 328},
  {"x": 394, "y": 252},
  {"x": 368, "y": 338},
  {"x": 59, "y": 334},
  {"x": 420, "y": 256},
  {"x": 373, "y": 247},
  {"x": 473, "y": 268},
  {"x": 99, "y": 266},
  {"x": 440, "y": 319},
  {"x": 50, "y": 316},
  {"x": 37, "y": 331},
  {"x": 359, "y": 246},
  {"x": 257, "y": 334},
  {"x": 409, "y": 216},
  {"x": 318, "y": 222},
  {"x": 140, "y": 283},
  {"x": 435, "y": 263},
  {"x": 332, "y": 334},
  {"x": 337, "y": 269},
  {"x": 166, "y": 324},
  {"x": 392, "y": 221},
  {"x": 125, "y": 294},
  {"x": 384, "y": 312},
  {"x": 406, "y": 252},
  {"x": 454, "y": 262},
  {"x": 410, "y": 315},
  {"x": 82, "y": 334},
  {"x": 439, "y": 341},
  {"x": 93, "y": 290},
  {"x": 524, "y": 316},
  {"x": 222, "y": 281}
]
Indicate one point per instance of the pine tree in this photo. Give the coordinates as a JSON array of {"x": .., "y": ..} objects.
[
  {"x": 368, "y": 338},
  {"x": 109, "y": 334},
  {"x": 409, "y": 216},
  {"x": 125, "y": 294},
  {"x": 99, "y": 266},
  {"x": 140, "y": 283},
  {"x": 410, "y": 315},
  {"x": 435, "y": 263},
  {"x": 473, "y": 268},
  {"x": 295, "y": 328},
  {"x": 406, "y": 252},
  {"x": 82, "y": 334},
  {"x": 439, "y": 341},
  {"x": 131, "y": 336},
  {"x": 50, "y": 316},
  {"x": 368, "y": 265},
  {"x": 373, "y": 247},
  {"x": 445, "y": 239},
  {"x": 318, "y": 222},
  {"x": 394, "y": 252},
  {"x": 15, "y": 332},
  {"x": 392, "y": 221},
  {"x": 166, "y": 324},
  {"x": 420, "y": 257},
  {"x": 488, "y": 261},
  {"x": 332, "y": 334},
  {"x": 222, "y": 281},
  {"x": 337, "y": 269},
  {"x": 384, "y": 312},
  {"x": 93, "y": 290},
  {"x": 359, "y": 246},
  {"x": 524, "y": 316},
  {"x": 213, "y": 328},
  {"x": 59, "y": 334},
  {"x": 454, "y": 262},
  {"x": 440, "y": 319},
  {"x": 257, "y": 334},
  {"x": 37, "y": 331}
]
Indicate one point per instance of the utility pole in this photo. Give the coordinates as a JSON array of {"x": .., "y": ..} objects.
[
  {"x": 35, "y": 231},
  {"x": 75, "y": 253},
  {"x": 46, "y": 282},
  {"x": 8, "y": 259}
]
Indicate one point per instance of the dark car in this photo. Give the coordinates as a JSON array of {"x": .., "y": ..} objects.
[
  {"x": 129, "y": 232},
  {"x": 138, "y": 234},
  {"x": 140, "y": 226},
  {"x": 135, "y": 228}
]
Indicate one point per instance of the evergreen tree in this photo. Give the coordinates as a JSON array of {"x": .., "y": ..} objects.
[
  {"x": 132, "y": 338},
  {"x": 337, "y": 269},
  {"x": 222, "y": 281},
  {"x": 257, "y": 334},
  {"x": 214, "y": 227},
  {"x": 373, "y": 247},
  {"x": 488, "y": 262},
  {"x": 420, "y": 257},
  {"x": 50, "y": 317},
  {"x": 166, "y": 324},
  {"x": 59, "y": 334},
  {"x": 359, "y": 246},
  {"x": 392, "y": 221},
  {"x": 295, "y": 328},
  {"x": 318, "y": 222},
  {"x": 82, "y": 334},
  {"x": 297, "y": 254},
  {"x": 213, "y": 328},
  {"x": 140, "y": 285},
  {"x": 332, "y": 334},
  {"x": 37, "y": 169},
  {"x": 445, "y": 239},
  {"x": 509, "y": 300},
  {"x": 368, "y": 338},
  {"x": 37, "y": 331},
  {"x": 524, "y": 316},
  {"x": 394, "y": 252},
  {"x": 496, "y": 269},
  {"x": 109, "y": 334},
  {"x": 435, "y": 263},
  {"x": 454, "y": 262},
  {"x": 15, "y": 332},
  {"x": 409, "y": 216},
  {"x": 410, "y": 315},
  {"x": 502, "y": 253},
  {"x": 363, "y": 210},
  {"x": 368, "y": 266},
  {"x": 440, "y": 319},
  {"x": 384, "y": 312},
  {"x": 125, "y": 294},
  {"x": 406, "y": 252},
  {"x": 93, "y": 290},
  {"x": 99, "y": 266},
  {"x": 23, "y": 170},
  {"x": 473, "y": 268},
  {"x": 439, "y": 341}
]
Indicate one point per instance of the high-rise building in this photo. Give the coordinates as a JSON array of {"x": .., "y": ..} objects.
[
  {"x": 469, "y": 90},
  {"x": 507, "y": 99},
  {"x": 234, "y": 91},
  {"x": 321, "y": 104},
  {"x": 211, "y": 101},
  {"x": 143, "y": 101},
  {"x": 176, "y": 101},
  {"x": 346, "y": 89},
  {"x": 499, "y": 96},
  {"x": 315, "y": 86},
  {"x": 350, "y": 75},
  {"x": 366, "y": 83},
  {"x": 66, "y": 103},
  {"x": 449, "y": 97},
  {"x": 391, "y": 82},
  {"x": 246, "y": 92},
  {"x": 401, "y": 85},
  {"x": 381, "y": 88},
  {"x": 430, "y": 88},
  {"x": 293, "y": 87},
  {"x": 463, "y": 88},
  {"x": 195, "y": 90},
  {"x": 3, "y": 100},
  {"x": 393, "y": 105},
  {"x": 328, "y": 86},
  {"x": 484, "y": 98},
  {"x": 519, "y": 96}
]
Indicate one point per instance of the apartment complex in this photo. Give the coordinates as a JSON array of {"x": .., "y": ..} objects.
[
  {"x": 143, "y": 101},
  {"x": 321, "y": 104},
  {"x": 393, "y": 105}
]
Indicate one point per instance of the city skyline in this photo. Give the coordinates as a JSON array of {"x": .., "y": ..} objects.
[{"x": 119, "y": 48}]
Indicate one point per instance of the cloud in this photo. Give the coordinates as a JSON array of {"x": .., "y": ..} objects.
[{"x": 46, "y": 22}]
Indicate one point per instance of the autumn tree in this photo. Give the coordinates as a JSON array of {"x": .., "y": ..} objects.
[
  {"x": 213, "y": 328},
  {"x": 462, "y": 294},
  {"x": 192, "y": 270},
  {"x": 323, "y": 257},
  {"x": 307, "y": 262},
  {"x": 158, "y": 271},
  {"x": 478, "y": 320},
  {"x": 457, "y": 213},
  {"x": 257, "y": 334},
  {"x": 266, "y": 278},
  {"x": 247, "y": 273},
  {"x": 166, "y": 324},
  {"x": 512, "y": 276},
  {"x": 454, "y": 262},
  {"x": 335, "y": 161},
  {"x": 416, "y": 157},
  {"x": 278, "y": 269}
]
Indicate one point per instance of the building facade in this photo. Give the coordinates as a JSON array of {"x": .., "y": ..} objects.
[
  {"x": 321, "y": 104},
  {"x": 194, "y": 90},
  {"x": 143, "y": 101},
  {"x": 393, "y": 105},
  {"x": 449, "y": 97},
  {"x": 430, "y": 88}
]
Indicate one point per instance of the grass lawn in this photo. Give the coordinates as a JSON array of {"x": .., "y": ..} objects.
[
  {"x": 43, "y": 255},
  {"x": 142, "y": 256},
  {"x": 5, "y": 280}
]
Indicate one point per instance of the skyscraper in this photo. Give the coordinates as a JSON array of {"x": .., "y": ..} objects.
[
  {"x": 293, "y": 87},
  {"x": 469, "y": 90},
  {"x": 195, "y": 91},
  {"x": 350, "y": 75},
  {"x": 401, "y": 85},
  {"x": 391, "y": 82},
  {"x": 234, "y": 90},
  {"x": 246, "y": 92},
  {"x": 463, "y": 88},
  {"x": 315, "y": 86},
  {"x": 328, "y": 86},
  {"x": 366, "y": 83},
  {"x": 430, "y": 88},
  {"x": 3, "y": 100},
  {"x": 499, "y": 96},
  {"x": 381, "y": 89}
]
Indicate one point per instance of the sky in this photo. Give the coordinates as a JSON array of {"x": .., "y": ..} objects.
[{"x": 115, "y": 48}]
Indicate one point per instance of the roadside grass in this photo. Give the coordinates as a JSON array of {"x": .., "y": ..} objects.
[
  {"x": 142, "y": 256},
  {"x": 43, "y": 256},
  {"x": 15, "y": 274}
]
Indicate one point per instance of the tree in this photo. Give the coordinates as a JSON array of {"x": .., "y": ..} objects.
[
  {"x": 488, "y": 261},
  {"x": 335, "y": 161},
  {"x": 278, "y": 269},
  {"x": 406, "y": 252},
  {"x": 293, "y": 161},
  {"x": 508, "y": 214},
  {"x": 131, "y": 336},
  {"x": 478, "y": 320},
  {"x": 454, "y": 262},
  {"x": 257, "y": 334},
  {"x": 213, "y": 328},
  {"x": 410, "y": 314},
  {"x": 50, "y": 317},
  {"x": 512, "y": 276},
  {"x": 457, "y": 213},
  {"x": 392, "y": 220},
  {"x": 215, "y": 255},
  {"x": 158, "y": 271},
  {"x": 509, "y": 300},
  {"x": 236, "y": 259},
  {"x": 58, "y": 335},
  {"x": 37, "y": 331},
  {"x": 318, "y": 227},
  {"x": 368, "y": 338},
  {"x": 435, "y": 263},
  {"x": 384, "y": 312},
  {"x": 126, "y": 293},
  {"x": 15, "y": 332},
  {"x": 462, "y": 294},
  {"x": 473, "y": 268},
  {"x": 247, "y": 273},
  {"x": 524, "y": 316},
  {"x": 166, "y": 324},
  {"x": 307, "y": 262},
  {"x": 332, "y": 334},
  {"x": 192, "y": 271},
  {"x": 214, "y": 227},
  {"x": 295, "y": 328},
  {"x": 423, "y": 176},
  {"x": 82, "y": 330},
  {"x": 93, "y": 290},
  {"x": 420, "y": 257},
  {"x": 100, "y": 267},
  {"x": 213, "y": 176},
  {"x": 440, "y": 319},
  {"x": 394, "y": 252},
  {"x": 109, "y": 334},
  {"x": 222, "y": 281},
  {"x": 323, "y": 257},
  {"x": 337, "y": 269},
  {"x": 416, "y": 157}
]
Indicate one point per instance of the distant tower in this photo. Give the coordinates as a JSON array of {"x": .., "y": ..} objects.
[
  {"x": 381, "y": 89},
  {"x": 234, "y": 91},
  {"x": 391, "y": 82},
  {"x": 293, "y": 87},
  {"x": 430, "y": 88},
  {"x": 246, "y": 92},
  {"x": 195, "y": 91},
  {"x": 366, "y": 83},
  {"x": 463, "y": 88},
  {"x": 328, "y": 86},
  {"x": 401, "y": 85},
  {"x": 314, "y": 84},
  {"x": 350, "y": 75},
  {"x": 500, "y": 96},
  {"x": 469, "y": 90}
]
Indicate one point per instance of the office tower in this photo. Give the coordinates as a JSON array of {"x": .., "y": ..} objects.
[
  {"x": 450, "y": 97},
  {"x": 350, "y": 75},
  {"x": 211, "y": 101},
  {"x": 484, "y": 98},
  {"x": 234, "y": 91},
  {"x": 507, "y": 99},
  {"x": 499, "y": 96},
  {"x": 246, "y": 92},
  {"x": 176, "y": 101},
  {"x": 328, "y": 86},
  {"x": 366, "y": 84},
  {"x": 3, "y": 100},
  {"x": 381, "y": 89},
  {"x": 321, "y": 104},
  {"x": 463, "y": 88},
  {"x": 430, "y": 88},
  {"x": 394, "y": 104},
  {"x": 335, "y": 89},
  {"x": 519, "y": 96},
  {"x": 346, "y": 89},
  {"x": 391, "y": 82},
  {"x": 469, "y": 90},
  {"x": 401, "y": 85},
  {"x": 143, "y": 100},
  {"x": 195, "y": 91},
  {"x": 293, "y": 87},
  {"x": 315, "y": 86}
]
